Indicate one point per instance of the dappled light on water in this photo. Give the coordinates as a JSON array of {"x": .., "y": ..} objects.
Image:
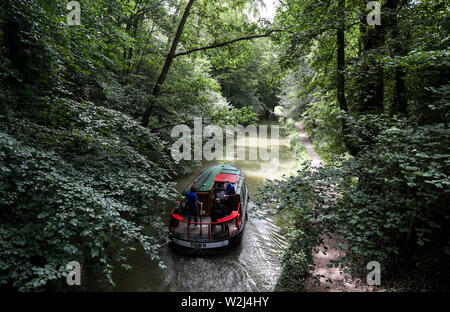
[{"x": 260, "y": 170}]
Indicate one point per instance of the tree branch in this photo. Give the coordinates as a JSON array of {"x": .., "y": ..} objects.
[
  {"x": 166, "y": 126},
  {"x": 217, "y": 45},
  {"x": 169, "y": 59}
]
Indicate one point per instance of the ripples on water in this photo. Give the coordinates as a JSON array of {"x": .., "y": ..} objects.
[{"x": 251, "y": 266}]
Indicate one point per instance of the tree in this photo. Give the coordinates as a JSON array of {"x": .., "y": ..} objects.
[
  {"x": 169, "y": 59},
  {"x": 379, "y": 202},
  {"x": 171, "y": 55},
  {"x": 342, "y": 101}
]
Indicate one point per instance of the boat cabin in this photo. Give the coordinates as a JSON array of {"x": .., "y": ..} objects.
[{"x": 220, "y": 217}]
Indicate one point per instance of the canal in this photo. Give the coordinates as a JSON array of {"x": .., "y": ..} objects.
[{"x": 254, "y": 265}]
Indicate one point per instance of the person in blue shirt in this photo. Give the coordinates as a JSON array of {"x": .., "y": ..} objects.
[
  {"x": 229, "y": 188},
  {"x": 192, "y": 204},
  {"x": 230, "y": 200}
]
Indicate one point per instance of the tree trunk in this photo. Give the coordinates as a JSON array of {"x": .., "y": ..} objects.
[
  {"x": 131, "y": 23},
  {"x": 400, "y": 97},
  {"x": 340, "y": 70},
  {"x": 372, "y": 80},
  {"x": 169, "y": 59},
  {"x": 342, "y": 101}
]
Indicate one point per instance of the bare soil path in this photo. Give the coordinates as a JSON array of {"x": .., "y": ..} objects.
[{"x": 339, "y": 280}]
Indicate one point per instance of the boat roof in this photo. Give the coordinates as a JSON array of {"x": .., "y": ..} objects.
[
  {"x": 218, "y": 173},
  {"x": 222, "y": 177}
]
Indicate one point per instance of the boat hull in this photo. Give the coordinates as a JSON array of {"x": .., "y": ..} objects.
[{"x": 206, "y": 248}]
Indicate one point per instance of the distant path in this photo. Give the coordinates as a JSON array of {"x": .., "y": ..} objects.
[
  {"x": 340, "y": 281},
  {"x": 304, "y": 138}
]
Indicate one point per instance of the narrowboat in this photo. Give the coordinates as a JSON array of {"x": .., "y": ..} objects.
[{"x": 212, "y": 233}]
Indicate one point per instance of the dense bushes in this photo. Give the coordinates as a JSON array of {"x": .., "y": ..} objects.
[
  {"x": 375, "y": 102},
  {"x": 80, "y": 191},
  {"x": 389, "y": 204},
  {"x": 394, "y": 199},
  {"x": 299, "y": 200},
  {"x": 297, "y": 261},
  {"x": 78, "y": 181}
]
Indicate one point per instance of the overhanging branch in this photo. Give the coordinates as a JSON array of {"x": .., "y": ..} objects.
[{"x": 217, "y": 45}]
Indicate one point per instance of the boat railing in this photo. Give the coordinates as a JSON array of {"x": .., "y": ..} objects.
[{"x": 234, "y": 216}]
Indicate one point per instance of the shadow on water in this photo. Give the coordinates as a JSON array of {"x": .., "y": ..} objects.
[{"x": 253, "y": 265}]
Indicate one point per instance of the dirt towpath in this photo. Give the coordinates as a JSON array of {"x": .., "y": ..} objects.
[{"x": 340, "y": 281}]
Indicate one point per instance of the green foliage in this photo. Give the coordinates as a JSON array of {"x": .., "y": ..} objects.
[
  {"x": 251, "y": 82},
  {"x": 299, "y": 199},
  {"x": 400, "y": 183},
  {"x": 389, "y": 204},
  {"x": 322, "y": 122},
  {"x": 235, "y": 116},
  {"x": 82, "y": 191},
  {"x": 295, "y": 95},
  {"x": 297, "y": 260},
  {"x": 389, "y": 198}
]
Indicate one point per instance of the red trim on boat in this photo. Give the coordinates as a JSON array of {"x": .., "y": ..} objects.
[
  {"x": 177, "y": 216},
  {"x": 180, "y": 218},
  {"x": 233, "y": 215}
]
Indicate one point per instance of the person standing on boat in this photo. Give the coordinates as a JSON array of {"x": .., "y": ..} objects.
[
  {"x": 217, "y": 212},
  {"x": 192, "y": 204},
  {"x": 229, "y": 191},
  {"x": 229, "y": 188}
]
